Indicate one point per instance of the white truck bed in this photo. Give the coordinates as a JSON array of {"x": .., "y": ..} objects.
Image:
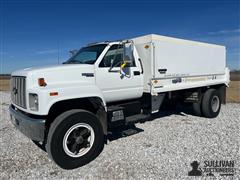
[{"x": 174, "y": 64}]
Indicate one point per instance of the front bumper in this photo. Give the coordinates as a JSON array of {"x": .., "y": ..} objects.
[{"x": 30, "y": 127}]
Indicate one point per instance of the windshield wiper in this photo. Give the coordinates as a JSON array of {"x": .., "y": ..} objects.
[
  {"x": 78, "y": 62},
  {"x": 72, "y": 62},
  {"x": 89, "y": 61}
]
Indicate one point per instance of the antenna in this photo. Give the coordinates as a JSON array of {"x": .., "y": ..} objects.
[{"x": 58, "y": 51}]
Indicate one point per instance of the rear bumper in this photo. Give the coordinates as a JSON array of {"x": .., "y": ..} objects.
[{"x": 30, "y": 127}]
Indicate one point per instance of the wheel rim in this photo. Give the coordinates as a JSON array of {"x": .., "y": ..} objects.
[
  {"x": 78, "y": 140},
  {"x": 215, "y": 103}
]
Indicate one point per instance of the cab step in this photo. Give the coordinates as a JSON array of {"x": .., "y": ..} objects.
[
  {"x": 137, "y": 118},
  {"x": 123, "y": 131},
  {"x": 129, "y": 132}
]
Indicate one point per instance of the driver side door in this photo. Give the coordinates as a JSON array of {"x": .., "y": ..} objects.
[{"x": 115, "y": 86}]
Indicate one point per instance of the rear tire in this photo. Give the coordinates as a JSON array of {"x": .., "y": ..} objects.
[
  {"x": 211, "y": 103},
  {"x": 75, "y": 138}
]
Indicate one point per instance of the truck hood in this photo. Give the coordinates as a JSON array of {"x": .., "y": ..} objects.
[
  {"x": 58, "y": 74},
  {"x": 62, "y": 67}
]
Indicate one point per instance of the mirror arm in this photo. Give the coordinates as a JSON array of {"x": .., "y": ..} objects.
[
  {"x": 141, "y": 65},
  {"x": 110, "y": 69},
  {"x": 113, "y": 71}
]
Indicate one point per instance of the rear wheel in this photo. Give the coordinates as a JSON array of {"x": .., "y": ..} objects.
[
  {"x": 75, "y": 138},
  {"x": 211, "y": 103}
]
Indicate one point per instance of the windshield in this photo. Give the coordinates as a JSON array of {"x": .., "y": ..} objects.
[{"x": 87, "y": 55}]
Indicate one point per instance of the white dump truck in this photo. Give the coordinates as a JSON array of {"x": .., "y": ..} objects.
[{"x": 69, "y": 109}]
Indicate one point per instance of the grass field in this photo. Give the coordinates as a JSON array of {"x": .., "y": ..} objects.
[
  {"x": 4, "y": 83},
  {"x": 233, "y": 92}
]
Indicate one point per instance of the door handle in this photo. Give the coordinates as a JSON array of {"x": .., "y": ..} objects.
[
  {"x": 136, "y": 73},
  {"x": 88, "y": 74},
  {"x": 162, "y": 71}
]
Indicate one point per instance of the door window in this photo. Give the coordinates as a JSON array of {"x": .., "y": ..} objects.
[{"x": 114, "y": 54}]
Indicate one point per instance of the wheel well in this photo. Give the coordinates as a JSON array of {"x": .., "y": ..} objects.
[{"x": 91, "y": 104}]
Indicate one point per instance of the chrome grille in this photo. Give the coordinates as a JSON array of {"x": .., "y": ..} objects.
[{"x": 18, "y": 90}]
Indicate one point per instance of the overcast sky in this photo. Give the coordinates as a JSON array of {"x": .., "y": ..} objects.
[{"x": 34, "y": 33}]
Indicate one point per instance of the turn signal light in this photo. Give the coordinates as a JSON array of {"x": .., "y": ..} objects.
[
  {"x": 41, "y": 82},
  {"x": 53, "y": 93}
]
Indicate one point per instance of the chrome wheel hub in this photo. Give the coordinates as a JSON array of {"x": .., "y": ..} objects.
[
  {"x": 78, "y": 140},
  {"x": 215, "y": 103}
]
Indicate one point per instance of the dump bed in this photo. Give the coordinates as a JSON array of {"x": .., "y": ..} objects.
[{"x": 172, "y": 59}]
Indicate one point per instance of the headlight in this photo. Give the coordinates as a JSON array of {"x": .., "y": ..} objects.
[{"x": 33, "y": 102}]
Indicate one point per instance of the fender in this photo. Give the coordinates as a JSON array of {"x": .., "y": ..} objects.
[{"x": 65, "y": 93}]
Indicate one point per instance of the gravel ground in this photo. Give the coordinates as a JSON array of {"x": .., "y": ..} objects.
[{"x": 163, "y": 149}]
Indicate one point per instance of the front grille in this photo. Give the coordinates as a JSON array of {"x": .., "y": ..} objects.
[{"x": 18, "y": 90}]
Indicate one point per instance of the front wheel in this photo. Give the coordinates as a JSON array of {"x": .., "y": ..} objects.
[{"x": 75, "y": 138}]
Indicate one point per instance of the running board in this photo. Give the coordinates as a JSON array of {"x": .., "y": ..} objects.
[{"x": 137, "y": 118}]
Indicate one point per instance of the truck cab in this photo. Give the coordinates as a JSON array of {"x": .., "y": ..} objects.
[
  {"x": 69, "y": 109},
  {"x": 97, "y": 75}
]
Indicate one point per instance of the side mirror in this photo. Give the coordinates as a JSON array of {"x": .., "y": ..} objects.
[
  {"x": 128, "y": 52},
  {"x": 127, "y": 59}
]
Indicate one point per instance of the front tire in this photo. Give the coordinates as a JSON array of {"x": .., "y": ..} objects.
[
  {"x": 75, "y": 138},
  {"x": 211, "y": 103}
]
